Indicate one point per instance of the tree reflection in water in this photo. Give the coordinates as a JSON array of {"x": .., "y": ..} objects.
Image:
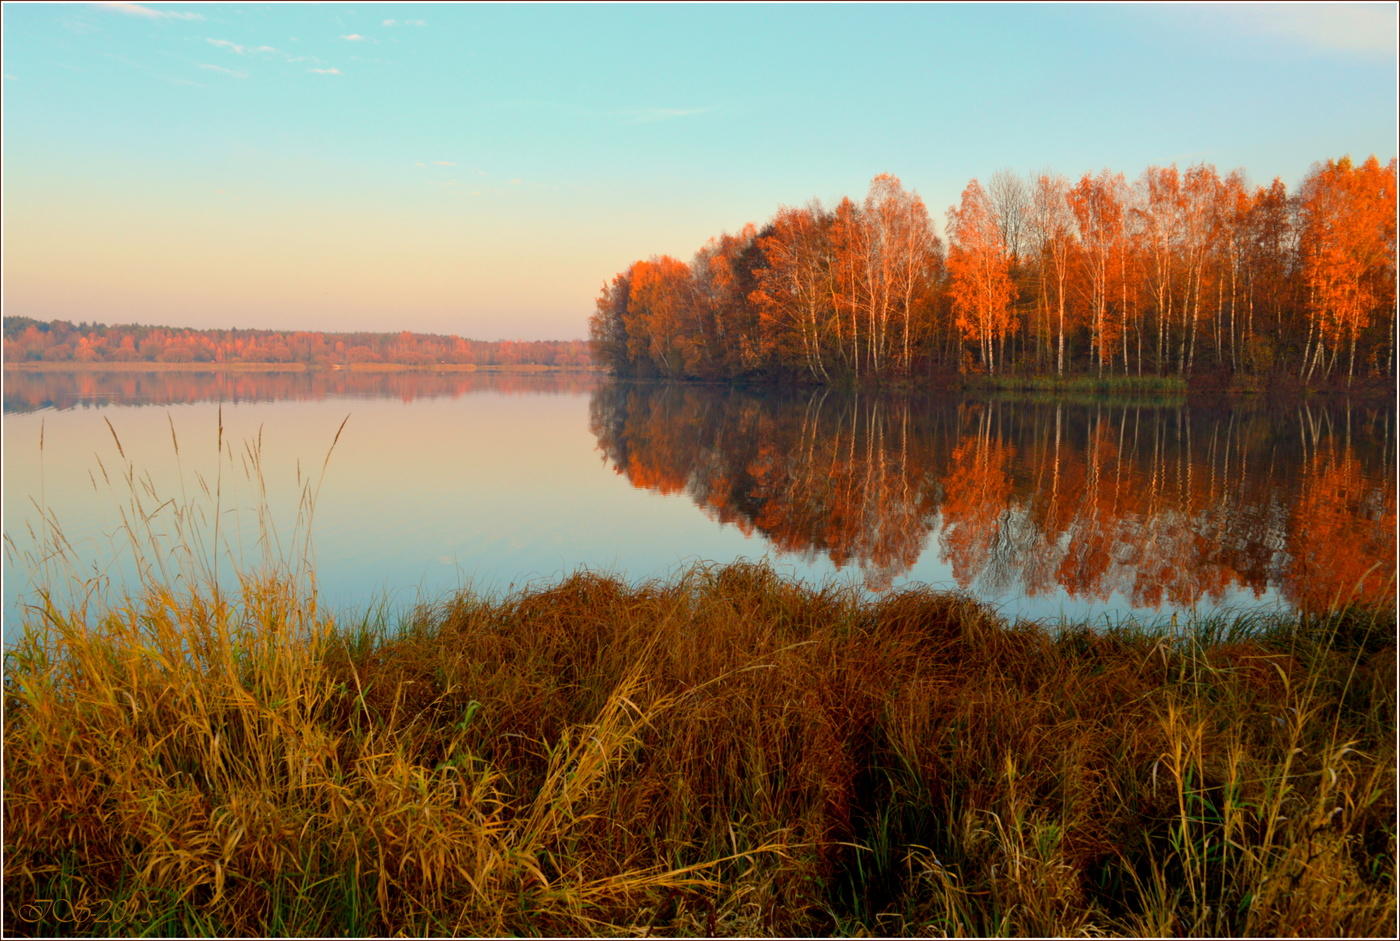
[
  {"x": 1164, "y": 504},
  {"x": 28, "y": 391}
]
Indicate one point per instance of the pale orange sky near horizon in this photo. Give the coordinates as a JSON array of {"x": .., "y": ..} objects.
[{"x": 321, "y": 266}]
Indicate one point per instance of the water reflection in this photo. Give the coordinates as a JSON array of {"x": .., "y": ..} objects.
[
  {"x": 1167, "y": 506},
  {"x": 1043, "y": 509},
  {"x": 26, "y": 391}
]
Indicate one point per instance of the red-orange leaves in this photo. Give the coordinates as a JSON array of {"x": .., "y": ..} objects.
[
  {"x": 1348, "y": 253},
  {"x": 979, "y": 271}
]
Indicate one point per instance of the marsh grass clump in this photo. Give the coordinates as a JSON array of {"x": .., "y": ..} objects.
[
  {"x": 723, "y": 752},
  {"x": 201, "y": 768}
]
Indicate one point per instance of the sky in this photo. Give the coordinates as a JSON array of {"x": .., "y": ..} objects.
[{"x": 481, "y": 170}]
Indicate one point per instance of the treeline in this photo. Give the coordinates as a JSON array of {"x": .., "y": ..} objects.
[
  {"x": 59, "y": 341},
  {"x": 1176, "y": 273}
]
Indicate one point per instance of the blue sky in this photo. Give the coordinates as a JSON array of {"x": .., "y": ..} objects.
[{"x": 481, "y": 169}]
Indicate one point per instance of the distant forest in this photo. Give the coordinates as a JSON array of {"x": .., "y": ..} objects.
[
  {"x": 59, "y": 341},
  {"x": 1177, "y": 273}
]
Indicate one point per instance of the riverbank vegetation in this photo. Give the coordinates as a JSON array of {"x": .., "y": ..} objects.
[
  {"x": 207, "y": 367},
  {"x": 96, "y": 345},
  {"x": 725, "y": 752},
  {"x": 1179, "y": 273}
]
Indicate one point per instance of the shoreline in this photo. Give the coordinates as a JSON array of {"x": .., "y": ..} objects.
[
  {"x": 1204, "y": 387},
  {"x": 287, "y": 367},
  {"x": 1085, "y": 387}
]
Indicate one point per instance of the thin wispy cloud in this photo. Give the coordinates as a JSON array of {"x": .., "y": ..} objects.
[
  {"x": 273, "y": 52},
  {"x": 242, "y": 50},
  {"x": 444, "y": 163},
  {"x": 136, "y": 9},
  {"x": 234, "y": 73},
  {"x": 404, "y": 23},
  {"x": 325, "y": 71},
  {"x": 353, "y": 37}
]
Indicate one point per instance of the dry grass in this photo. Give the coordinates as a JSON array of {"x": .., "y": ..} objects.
[{"x": 724, "y": 753}]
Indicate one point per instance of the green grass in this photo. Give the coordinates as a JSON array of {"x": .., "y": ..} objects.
[{"x": 723, "y": 752}]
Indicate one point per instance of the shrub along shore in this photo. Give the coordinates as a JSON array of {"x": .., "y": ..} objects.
[{"x": 725, "y": 752}]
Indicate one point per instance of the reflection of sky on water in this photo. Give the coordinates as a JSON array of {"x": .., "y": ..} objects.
[
  {"x": 489, "y": 489},
  {"x": 497, "y": 488}
]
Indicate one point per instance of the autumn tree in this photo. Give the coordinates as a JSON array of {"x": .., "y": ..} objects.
[
  {"x": 1348, "y": 248},
  {"x": 1198, "y": 225},
  {"x": 1271, "y": 277},
  {"x": 793, "y": 289},
  {"x": 607, "y": 330},
  {"x": 847, "y": 257},
  {"x": 902, "y": 255},
  {"x": 660, "y": 321},
  {"x": 1097, "y": 204},
  {"x": 980, "y": 280},
  {"x": 1051, "y": 232},
  {"x": 723, "y": 274}
]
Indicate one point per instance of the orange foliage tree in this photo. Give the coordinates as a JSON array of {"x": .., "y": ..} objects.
[
  {"x": 979, "y": 273},
  {"x": 794, "y": 289},
  {"x": 1348, "y": 256}
]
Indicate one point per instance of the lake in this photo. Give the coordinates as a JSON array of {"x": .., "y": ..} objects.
[{"x": 1043, "y": 508}]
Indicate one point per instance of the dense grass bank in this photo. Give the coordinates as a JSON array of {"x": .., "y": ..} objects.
[{"x": 727, "y": 752}]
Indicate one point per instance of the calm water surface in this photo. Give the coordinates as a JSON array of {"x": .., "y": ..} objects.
[{"x": 1044, "y": 508}]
